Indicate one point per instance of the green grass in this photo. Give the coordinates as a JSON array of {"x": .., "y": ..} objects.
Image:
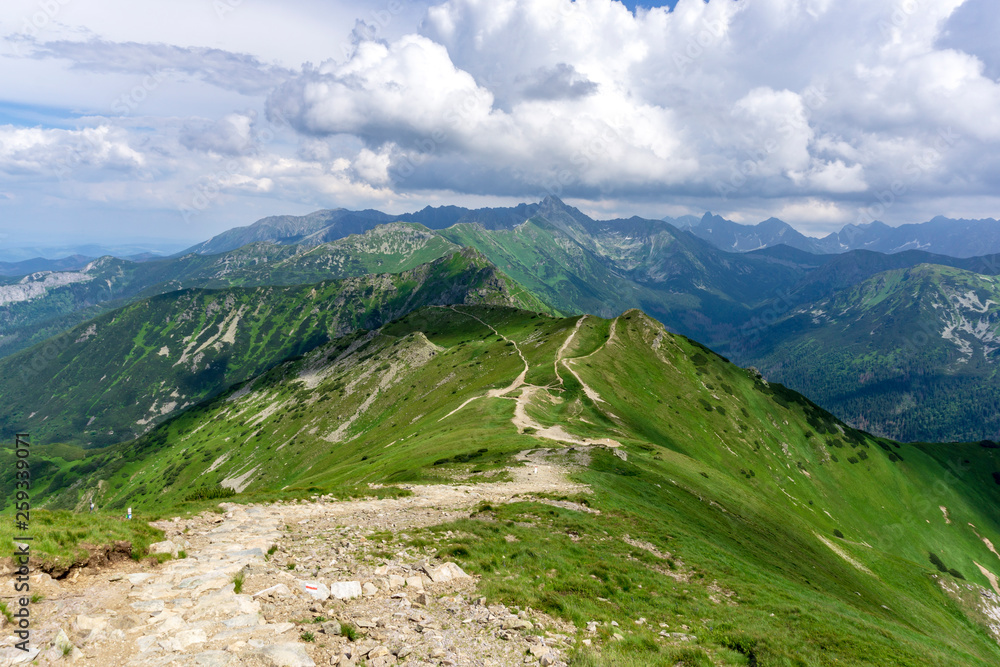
[
  {"x": 58, "y": 536},
  {"x": 349, "y": 631},
  {"x": 739, "y": 486},
  {"x": 238, "y": 582},
  {"x": 5, "y": 610}
]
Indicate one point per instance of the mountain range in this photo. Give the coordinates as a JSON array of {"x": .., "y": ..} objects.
[
  {"x": 940, "y": 235},
  {"x": 719, "y": 517},
  {"x": 755, "y": 307}
]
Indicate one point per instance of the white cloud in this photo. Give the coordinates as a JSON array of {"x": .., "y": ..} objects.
[
  {"x": 59, "y": 152},
  {"x": 808, "y": 107}
]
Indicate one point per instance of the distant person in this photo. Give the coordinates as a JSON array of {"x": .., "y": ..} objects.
[
  {"x": 91, "y": 506},
  {"x": 129, "y": 513}
]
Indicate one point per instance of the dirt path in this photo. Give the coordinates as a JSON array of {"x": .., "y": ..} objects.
[
  {"x": 408, "y": 610},
  {"x": 493, "y": 393},
  {"x": 591, "y": 393}
]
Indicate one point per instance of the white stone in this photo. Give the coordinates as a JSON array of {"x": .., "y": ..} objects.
[
  {"x": 278, "y": 591},
  {"x": 315, "y": 589},
  {"x": 91, "y": 622},
  {"x": 187, "y": 637},
  {"x": 165, "y": 547},
  {"x": 447, "y": 572},
  {"x": 415, "y": 582},
  {"x": 286, "y": 655},
  {"x": 344, "y": 590}
]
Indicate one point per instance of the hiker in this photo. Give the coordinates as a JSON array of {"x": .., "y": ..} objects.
[
  {"x": 91, "y": 506},
  {"x": 129, "y": 513},
  {"x": 536, "y": 470}
]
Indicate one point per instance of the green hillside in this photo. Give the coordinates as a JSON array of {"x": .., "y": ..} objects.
[
  {"x": 911, "y": 352},
  {"x": 738, "y": 510},
  {"x": 583, "y": 266},
  {"x": 36, "y": 307},
  {"x": 115, "y": 376}
]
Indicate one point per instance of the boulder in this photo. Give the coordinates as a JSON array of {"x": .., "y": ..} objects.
[
  {"x": 517, "y": 624},
  {"x": 286, "y": 655},
  {"x": 165, "y": 547},
  {"x": 315, "y": 589},
  {"x": 447, "y": 572},
  {"x": 330, "y": 628},
  {"x": 276, "y": 591},
  {"x": 345, "y": 590}
]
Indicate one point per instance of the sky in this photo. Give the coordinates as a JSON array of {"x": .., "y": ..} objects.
[{"x": 178, "y": 119}]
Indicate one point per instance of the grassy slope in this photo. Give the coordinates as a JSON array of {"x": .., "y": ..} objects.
[
  {"x": 607, "y": 268},
  {"x": 112, "y": 377},
  {"x": 390, "y": 248},
  {"x": 876, "y": 354},
  {"x": 735, "y": 479}
]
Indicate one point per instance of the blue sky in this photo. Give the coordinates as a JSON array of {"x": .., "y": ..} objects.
[{"x": 180, "y": 119}]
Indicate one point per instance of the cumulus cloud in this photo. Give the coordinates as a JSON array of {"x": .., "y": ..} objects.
[
  {"x": 813, "y": 108},
  {"x": 781, "y": 98},
  {"x": 556, "y": 83},
  {"x": 58, "y": 152}
]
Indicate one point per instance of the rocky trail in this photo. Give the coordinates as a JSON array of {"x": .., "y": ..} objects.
[{"x": 310, "y": 573}]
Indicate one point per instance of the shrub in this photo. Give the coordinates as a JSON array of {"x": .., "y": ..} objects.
[
  {"x": 206, "y": 493},
  {"x": 349, "y": 631},
  {"x": 937, "y": 562},
  {"x": 837, "y": 533}
]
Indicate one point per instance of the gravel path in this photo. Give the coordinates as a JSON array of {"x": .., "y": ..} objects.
[{"x": 307, "y": 568}]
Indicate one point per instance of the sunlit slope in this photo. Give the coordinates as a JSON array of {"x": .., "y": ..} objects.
[
  {"x": 113, "y": 377},
  {"x": 758, "y": 492}
]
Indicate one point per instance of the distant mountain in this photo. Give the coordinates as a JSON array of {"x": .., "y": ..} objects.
[
  {"x": 312, "y": 229},
  {"x": 329, "y": 225},
  {"x": 941, "y": 236},
  {"x": 577, "y": 264},
  {"x": 39, "y": 305},
  {"x": 734, "y": 237},
  {"x": 37, "y": 264},
  {"x": 113, "y": 377},
  {"x": 14, "y": 254},
  {"x": 738, "y": 303},
  {"x": 914, "y": 352},
  {"x": 572, "y": 262}
]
